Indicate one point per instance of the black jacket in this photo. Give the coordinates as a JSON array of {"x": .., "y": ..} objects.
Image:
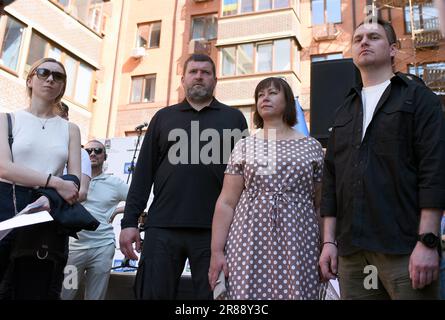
[
  {"x": 70, "y": 218},
  {"x": 376, "y": 187}
]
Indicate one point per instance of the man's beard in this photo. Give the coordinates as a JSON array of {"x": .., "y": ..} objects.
[{"x": 199, "y": 93}]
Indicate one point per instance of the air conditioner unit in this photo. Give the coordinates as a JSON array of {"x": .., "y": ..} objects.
[
  {"x": 199, "y": 46},
  {"x": 138, "y": 52}
]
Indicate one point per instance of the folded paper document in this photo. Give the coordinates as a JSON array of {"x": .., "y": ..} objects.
[
  {"x": 23, "y": 219},
  {"x": 220, "y": 287}
]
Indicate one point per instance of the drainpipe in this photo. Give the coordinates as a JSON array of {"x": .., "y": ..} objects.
[
  {"x": 115, "y": 68},
  {"x": 172, "y": 51},
  {"x": 354, "y": 21}
]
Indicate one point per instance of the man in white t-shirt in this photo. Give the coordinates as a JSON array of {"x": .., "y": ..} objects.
[
  {"x": 384, "y": 179},
  {"x": 92, "y": 253}
]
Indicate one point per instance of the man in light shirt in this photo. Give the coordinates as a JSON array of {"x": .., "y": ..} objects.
[{"x": 92, "y": 253}]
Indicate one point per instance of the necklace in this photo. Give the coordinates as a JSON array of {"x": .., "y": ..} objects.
[{"x": 43, "y": 122}]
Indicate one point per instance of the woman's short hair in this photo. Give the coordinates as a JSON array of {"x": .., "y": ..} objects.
[
  {"x": 32, "y": 71},
  {"x": 290, "y": 114}
]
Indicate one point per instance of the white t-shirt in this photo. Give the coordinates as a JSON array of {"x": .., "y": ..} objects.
[{"x": 370, "y": 98}]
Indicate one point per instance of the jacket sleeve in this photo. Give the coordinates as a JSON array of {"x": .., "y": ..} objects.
[
  {"x": 429, "y": 148},
  {"x": 328, "y": 207},
  {"x": 143, "y": 177}
]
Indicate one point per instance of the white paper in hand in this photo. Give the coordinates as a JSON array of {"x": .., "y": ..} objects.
[
  {"x": 220, "y": 287},
  {"x": 21, "y": 220}
]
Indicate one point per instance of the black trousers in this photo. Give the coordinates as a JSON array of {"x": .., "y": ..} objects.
[
  {"x": 24, "y": 275},
  {"x": 163, "y": 258}
]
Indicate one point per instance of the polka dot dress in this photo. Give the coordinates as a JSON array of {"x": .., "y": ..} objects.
[{"x": 272, "y": 248}]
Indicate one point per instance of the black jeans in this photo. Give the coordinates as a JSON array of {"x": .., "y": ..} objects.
[
  {"x": 25, "y": 275},
  {"x": 164, "y": 254}
]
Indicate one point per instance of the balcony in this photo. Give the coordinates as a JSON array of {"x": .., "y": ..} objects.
[
  {"x": 327, "y": 31},
  {"x": 424, "y": 38},
  {"x": 435, "y": 79}
]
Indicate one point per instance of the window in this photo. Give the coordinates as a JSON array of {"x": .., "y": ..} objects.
[
  {"x": 247, "y": 6},
  {"x": 326, "y": 11},
  {"x": 324, "y": 57},
  {"x": 11, "y": 44},
  {"x": 262, "y": 57},
  {"x": 425, "y": 16},
  {"x": 264, "y": 4},
  {"x": 232, "y": 7},
  {"x": 264, "y": 54},
  {"x": 83, "y": 84},
  {"x": 245, "y": 59},
  {"x": 149, "y": 35},
  {"x": 204, "y": 27},
  {"x": 282, "y": 55},
  {"x": 89, "y": 12},
  {"x": 63, "y": 3},
  {"x": 228, "y": 61},
  {"x": 79, "y": 74},
  {"x": 143, "y": 89},
  {"x": 71, "y": 68},
  {"x": 277, "y": 4}
]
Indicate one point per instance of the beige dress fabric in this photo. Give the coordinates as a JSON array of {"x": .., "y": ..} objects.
[{"x": 272, "y": 248}]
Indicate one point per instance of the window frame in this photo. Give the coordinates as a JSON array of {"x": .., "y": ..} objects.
[
  {"x": 99, "y": 29},
  {"x": 212, "y": 17},
  {"x": 144, "y": 77},
  {"x": 48, "y": 44},
  {"x": 325, "y": 14},
  {"x": 255, "y": 58},
  {"x": 255, "y": 8},
  {"x": 150, "y": 25},
  {"x": 407, "y": 24},
  {"x": 3, "y": 24},
  {"x": 326, "y": 55}
]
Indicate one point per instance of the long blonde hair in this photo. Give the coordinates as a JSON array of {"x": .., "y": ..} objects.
[{"x": 32, "y": 71}]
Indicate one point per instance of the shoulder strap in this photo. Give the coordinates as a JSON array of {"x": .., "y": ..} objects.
[{"x": 10, "y": 137}]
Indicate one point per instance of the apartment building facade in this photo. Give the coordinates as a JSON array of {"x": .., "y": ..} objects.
[
  {"x": 243, "y": 39},
  {"x": 124, "y": 58},
  {"x": 71, "y": 31},
  {"x": 329, "y": 26}
]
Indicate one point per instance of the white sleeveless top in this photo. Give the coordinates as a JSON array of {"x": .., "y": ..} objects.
[{"x": 43, "y": 150}]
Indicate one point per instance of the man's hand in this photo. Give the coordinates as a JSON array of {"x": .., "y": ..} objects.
[
  {"x": 423, "y": 266},
  {"x": 127, "y": 237},
  {"x": 328, "y": 262}
]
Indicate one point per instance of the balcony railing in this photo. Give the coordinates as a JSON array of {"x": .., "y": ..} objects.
[
  {"x": 427, "y": 38},
  {"x": 435, "y": 79}
]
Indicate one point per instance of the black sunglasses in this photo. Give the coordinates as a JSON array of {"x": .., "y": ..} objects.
[
  {"x": 43, "y": 74},
  {"x": 96, "y": 150}
]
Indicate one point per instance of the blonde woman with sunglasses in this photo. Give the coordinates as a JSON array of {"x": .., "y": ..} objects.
[{"x": 43, "y": 143}]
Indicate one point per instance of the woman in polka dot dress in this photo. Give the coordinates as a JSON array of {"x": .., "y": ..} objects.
[{"x": 265, "y": 234}]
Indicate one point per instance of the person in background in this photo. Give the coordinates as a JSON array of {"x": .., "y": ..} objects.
[
  {"x": 32, "y": 258},
  {"x": 92, "y": 253},
  {"x": 63, "y": 112},
  {"x": 179, "y": 219}
]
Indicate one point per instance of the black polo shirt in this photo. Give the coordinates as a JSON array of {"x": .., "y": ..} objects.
[
  {"x": 185, "y": 169},
  {"x": 376, "y": 187}
]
